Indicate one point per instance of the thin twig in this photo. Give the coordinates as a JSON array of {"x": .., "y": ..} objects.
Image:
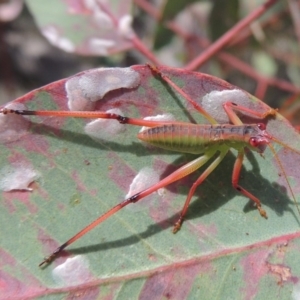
[{"x": 227, "y": 37}]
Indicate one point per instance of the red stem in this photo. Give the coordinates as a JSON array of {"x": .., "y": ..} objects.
[
  {"x": 138, "y": 44},
  {"x": 227, "y": 37}
]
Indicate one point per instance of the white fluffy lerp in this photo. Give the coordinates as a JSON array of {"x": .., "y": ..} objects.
[
  {"x": 105, "y": 129},
  {"x": 12, "y": 126},
  {"x": 145, "y": 178},
  {"x": 164, "y": 117},
  {"x": 213, "y": 103},
  {"x": 17, "y": 177},
  {"x": 73, "y": 271},
  {"x": 84, "y": 89}
]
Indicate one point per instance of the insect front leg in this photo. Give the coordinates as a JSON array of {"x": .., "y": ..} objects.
[
  {"x": 235, "y": 179},
  {"x": 203, "y": 176}
]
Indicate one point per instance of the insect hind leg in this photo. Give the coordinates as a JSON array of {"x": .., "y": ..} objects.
[{"x": 183, "y": 171}]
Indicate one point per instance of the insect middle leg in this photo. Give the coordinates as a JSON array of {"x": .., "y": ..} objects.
[
  {"x": 202, "y": 177},
  {"x": 235, "y": 178}
]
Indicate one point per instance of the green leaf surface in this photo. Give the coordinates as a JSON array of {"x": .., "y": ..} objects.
[
  {"x": 224, "y": 248},
  {"x": 85, "y": 27}
]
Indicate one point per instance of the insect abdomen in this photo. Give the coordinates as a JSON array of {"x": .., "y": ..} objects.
[
  {"x": 193, "y": 138},
  {"x": 187, "y": 138}
]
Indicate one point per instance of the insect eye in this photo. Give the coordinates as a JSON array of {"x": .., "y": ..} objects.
[
  {"x": 253, "y": 142},
  {"x": 261, "y": 126}
]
